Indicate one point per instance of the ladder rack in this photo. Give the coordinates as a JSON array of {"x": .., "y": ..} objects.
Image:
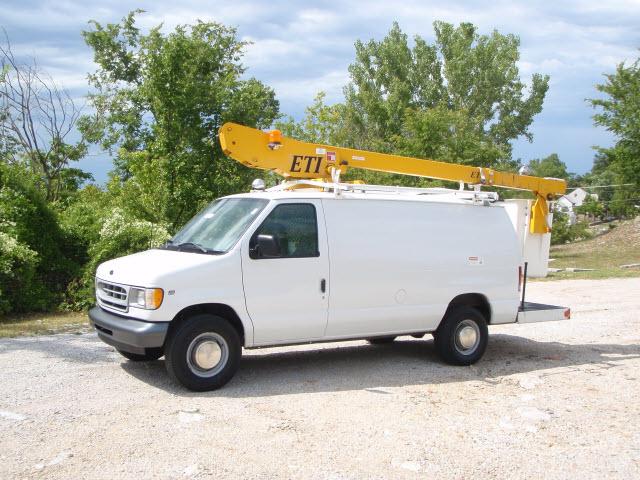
[{"x": 339, "y": 187}]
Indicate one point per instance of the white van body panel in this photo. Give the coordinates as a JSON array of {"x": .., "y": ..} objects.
[
  {"x": 283, "y": 295},
  {"x": 396, "y": 265}
]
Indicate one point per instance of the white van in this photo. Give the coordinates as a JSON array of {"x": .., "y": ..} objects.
[{"x": 287, "y": 267}]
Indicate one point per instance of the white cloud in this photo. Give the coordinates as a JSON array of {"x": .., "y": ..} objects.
[
  {"x": 273, "y": 52},
  {"x": 302, "y": 91}
]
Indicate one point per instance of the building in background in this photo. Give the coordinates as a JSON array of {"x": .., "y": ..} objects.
[{"x": 568, "y": 203}]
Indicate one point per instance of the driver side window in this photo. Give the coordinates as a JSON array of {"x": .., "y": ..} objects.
[{"x": 294, "y": 229}]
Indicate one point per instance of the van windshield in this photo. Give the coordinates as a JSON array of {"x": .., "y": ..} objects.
[{"x": 218, "y": 227}]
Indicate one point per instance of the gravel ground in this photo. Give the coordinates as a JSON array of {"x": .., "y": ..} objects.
[{"x": 553, "y": 400}]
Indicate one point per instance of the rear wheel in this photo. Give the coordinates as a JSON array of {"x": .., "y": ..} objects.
[
  {"x": 203, "y": 353},
  {"x": 462, "y": 337},
  {"x": 149, "y": 355},
  {"x": 381, "y": 340}
]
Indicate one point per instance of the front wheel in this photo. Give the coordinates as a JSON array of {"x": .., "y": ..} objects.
[
  {"x": 462, "y": 337},
  {"x": 203, "y": 353}
]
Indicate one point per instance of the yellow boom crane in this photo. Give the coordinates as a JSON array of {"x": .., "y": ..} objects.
[{"x": 298, "y": 160}]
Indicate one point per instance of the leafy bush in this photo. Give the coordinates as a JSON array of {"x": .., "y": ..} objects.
[
  {"x": 591, "y": 207},
  {"x": 562, "y": 232},
  {"x": 17, "y": 270},
  {"x": 82, "y": 221},
  {"x": 122, "y": 235},
  {"x": 119, "y": 234},
  {"x": 33, "y": 243}
]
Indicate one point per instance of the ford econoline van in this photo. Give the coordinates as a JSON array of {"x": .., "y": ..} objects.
[{"x": 288, "y": 267}]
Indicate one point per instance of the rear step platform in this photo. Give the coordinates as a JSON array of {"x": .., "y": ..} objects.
[{"x": 530, "y": 312}]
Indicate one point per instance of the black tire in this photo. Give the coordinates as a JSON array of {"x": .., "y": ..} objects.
[
  {"x": 203, "y": 332},
  {"x": 149, "y": 355},
  {"x": 449, "y": 343},
  {"x": 381, "y": 340}
]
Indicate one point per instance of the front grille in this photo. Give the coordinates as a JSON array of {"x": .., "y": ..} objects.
[
  {"x": 112, "y": 295},
  {"x": 113, "y": 291}
]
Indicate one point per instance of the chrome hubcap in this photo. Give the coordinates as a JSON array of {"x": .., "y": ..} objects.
[
  {"x": 207, "y": 354},
  {"x": 467, "y": 337}
]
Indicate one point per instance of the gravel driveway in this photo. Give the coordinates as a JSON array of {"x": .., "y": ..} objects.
[{"x": 554, "y": 400}]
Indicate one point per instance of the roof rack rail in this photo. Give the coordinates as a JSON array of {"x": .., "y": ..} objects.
[{"x": 338, "y": 187}]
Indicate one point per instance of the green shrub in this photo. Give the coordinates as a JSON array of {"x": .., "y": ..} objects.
[
  {"x": 17, "y": 271},
  {"x": 122, "y": 235},
  {"x": 119, "y": 235},
  {"x": 27, "y": 219},
  {"x": 82, "y": 221},
  {"x": 562, "y": 232}
]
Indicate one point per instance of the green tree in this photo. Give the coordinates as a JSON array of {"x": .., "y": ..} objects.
[
  {"x": 550, "y": 166},
  {"x": 603, "y": 176},
  {"x": 457, "y": 100},
  {"x": 591, "y": 207},
  {"x": 165, "y": 96},
  {"x": 619, "y": 112},
  {"x": 322, "y": 123},
  {"x": 466, "y": 85}
]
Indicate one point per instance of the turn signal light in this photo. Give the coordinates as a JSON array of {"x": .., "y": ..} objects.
[{"x": 154, "y": 298}]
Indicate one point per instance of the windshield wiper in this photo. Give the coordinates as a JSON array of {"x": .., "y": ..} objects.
[
  {"x": 193, "y": 245},
  {"x": 171, "y": 245}
]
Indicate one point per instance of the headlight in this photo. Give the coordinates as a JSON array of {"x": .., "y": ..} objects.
[{"x": 148, "y": 298}]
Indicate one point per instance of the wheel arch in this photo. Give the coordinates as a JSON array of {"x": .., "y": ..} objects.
[
  {"x": 474, "y": 300},
  {"x": 218, "y": 309}
]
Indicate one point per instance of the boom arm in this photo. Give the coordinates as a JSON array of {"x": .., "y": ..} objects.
[{"x": 302, "y": 160}]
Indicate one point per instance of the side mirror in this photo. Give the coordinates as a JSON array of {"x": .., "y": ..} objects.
[{"x": 266, "y": 247}]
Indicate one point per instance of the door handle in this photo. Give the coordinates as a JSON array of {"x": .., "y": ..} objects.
[{"x": 323, "y": 285}]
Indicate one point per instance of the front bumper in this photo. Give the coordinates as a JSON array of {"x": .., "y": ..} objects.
[{"x": 126, "y": 333}]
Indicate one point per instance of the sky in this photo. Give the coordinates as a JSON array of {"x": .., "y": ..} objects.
[{"x": 302, "y": 47}]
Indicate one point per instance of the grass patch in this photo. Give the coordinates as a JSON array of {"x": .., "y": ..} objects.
[
  {"x": 43, "y": 324},
  {"x": 604, "y": 253}
]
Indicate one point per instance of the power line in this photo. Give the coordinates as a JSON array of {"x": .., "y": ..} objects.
[
  {"x": 605, "y": 186},
  {"x": 620, "y": 201}
]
